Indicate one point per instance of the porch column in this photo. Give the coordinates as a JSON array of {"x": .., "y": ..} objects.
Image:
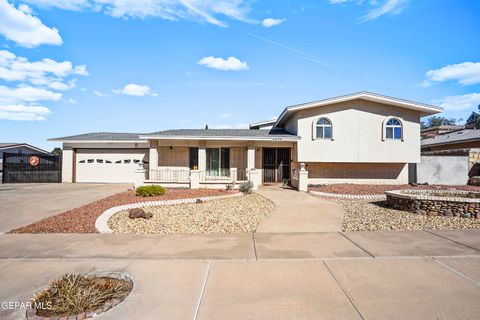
[
  {"x": 153, "y": 156},
  {"x": 251, "y": 156},
  {"x": 202, "y": 156}
]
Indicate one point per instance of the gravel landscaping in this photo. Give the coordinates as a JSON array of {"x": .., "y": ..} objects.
[
  {"x": 82, "y": 219},
  {"x": 369, "y": 189},
  {"x": 231, "y": 215},
  {"x": 375, "y": 216}
]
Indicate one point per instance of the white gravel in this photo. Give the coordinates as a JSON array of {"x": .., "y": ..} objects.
[
  {"x": 232, "y": 215},
  {"x": 374, "y": 216}
]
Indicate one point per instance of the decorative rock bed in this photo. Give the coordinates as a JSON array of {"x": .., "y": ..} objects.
[
  {"x": 465, "y": 204},
  {"x": 32, "y": 313}
]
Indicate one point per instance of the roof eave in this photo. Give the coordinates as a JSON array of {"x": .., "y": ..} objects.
[
  {"x": 235, "y": 138},
  {"x": 95, "y": 141}
]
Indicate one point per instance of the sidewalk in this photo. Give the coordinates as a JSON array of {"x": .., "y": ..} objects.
[{"x": 356, "y": 275}]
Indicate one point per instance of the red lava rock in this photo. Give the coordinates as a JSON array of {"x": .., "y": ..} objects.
[
  {"x": 366, "y": 189},
  {"x": 82, "y": 219}
]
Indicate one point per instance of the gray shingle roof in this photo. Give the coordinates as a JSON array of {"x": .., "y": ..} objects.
[
  {"x": 101, "y": 136},
  {"x": 224, "y": 133},
  {"x": 453, "y": 137}
]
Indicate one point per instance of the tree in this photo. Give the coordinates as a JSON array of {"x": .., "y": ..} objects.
[
  {"x": 206, "y": 127},
  {"x": 473, "y": 122},
  {"x": 435, "y": 121},
  {"x": 57, "y": 151}
]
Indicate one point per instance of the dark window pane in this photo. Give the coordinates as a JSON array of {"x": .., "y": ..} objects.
[
  {"x": 323, "y": 121},
  {"x": 127, "y": 161},
  {"x": 327, "y": 133},
  {"x": 320, "y": 132},
  {"x": 81, "y": 161},
  {"x": 108, "y": 161},
  {"x": 225, "y": 158},
  {"x": 398, "y": 133},
  {"x": 389, "y": 133},
  {"x": 193, "y": 158},
  {"x": 99, "y": 160}
]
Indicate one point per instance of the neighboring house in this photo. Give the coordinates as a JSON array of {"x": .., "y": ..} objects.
[
  {"x": 18, "y": 148},
  {"x": 463, "y": 139},
  {"x": 357, "y": 138},
  {"x": 438, "y": 130}
]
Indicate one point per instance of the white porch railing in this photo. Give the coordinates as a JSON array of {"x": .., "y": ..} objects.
[{"x": 170, "y": 175}]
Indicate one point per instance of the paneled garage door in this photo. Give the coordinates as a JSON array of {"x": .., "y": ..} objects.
[{"x": 108, "y": 165}]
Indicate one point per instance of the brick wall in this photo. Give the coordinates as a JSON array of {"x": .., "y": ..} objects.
[
  {"x": 373, "y": 173},
  {"x": 238, "y": 158},
  {"x": 175, "y": 157}
]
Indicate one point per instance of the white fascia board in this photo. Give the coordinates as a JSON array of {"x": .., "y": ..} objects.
[
  {"x": 221, "y": 138},
  {"x": 98, "y": 141}
]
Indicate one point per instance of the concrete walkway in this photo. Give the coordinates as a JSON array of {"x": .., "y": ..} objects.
[
  {"x": 361, "y": 275},
  {"x": 25, "y": 203},
  {"x": 299, "y": 212}
]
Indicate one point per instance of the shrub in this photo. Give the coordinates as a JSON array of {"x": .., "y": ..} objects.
[
  {"x": 150, "y": 191},
  {"x": 246, "y": 187}
]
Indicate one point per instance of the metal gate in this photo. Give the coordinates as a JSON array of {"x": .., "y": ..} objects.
[
  {"x": 276, "y": 164},
  {"x": 31, "y": 168}
]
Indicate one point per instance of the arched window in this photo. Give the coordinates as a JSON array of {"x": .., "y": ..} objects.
[
  {"x": 323, "y": 129},
  {"x": 393, "y": 129}
]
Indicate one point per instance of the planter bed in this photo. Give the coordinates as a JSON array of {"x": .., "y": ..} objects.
[
  {"x": 372, "y": 189},
  {"x": 82, "y": 219},
  {"x": 228, "y": 215},
  {"x": 376, "y": 216}
]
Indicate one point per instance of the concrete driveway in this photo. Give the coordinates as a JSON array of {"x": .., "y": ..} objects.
[{"x": 22, "y": 204}]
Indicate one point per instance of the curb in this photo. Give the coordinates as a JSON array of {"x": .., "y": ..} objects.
[
  {"x": 101, "y": 223},
  {"x": 349, "y": 196}
]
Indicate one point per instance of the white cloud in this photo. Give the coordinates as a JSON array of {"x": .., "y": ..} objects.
[
  {"x": 205, "y": 11},
  {"x": 99, "y": 94},
  {"x": 380, "y": 7},
  {"x": 229, "y": 64},
  {"x": 27, "y": 94},
  {"x": 461, "y": 102},
  {"x": 20, "y": 112},
  {"x": 465, "y": 73},
  {"x": 224, "y": 116},
  {"x": 270, "y": 22},
  {"x": 45, "y": 72},
  {"x": 137, "y": 90},
  {"x": 26, "y": 30},
  {"x": 228, "y": 126}
]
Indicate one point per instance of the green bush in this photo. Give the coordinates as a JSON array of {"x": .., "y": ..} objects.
[
  {"x": 150, "y": 191},
  {"x": 246, "y": 187}
]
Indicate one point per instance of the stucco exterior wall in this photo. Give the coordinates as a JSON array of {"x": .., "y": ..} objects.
[
  {"x": 360, "y": 173},
  {"x": 449, "y": 170},
  {"x": 357, "y": 128}
]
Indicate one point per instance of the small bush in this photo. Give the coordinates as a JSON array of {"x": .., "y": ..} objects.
[
  {"x": 150, "y": 191},
  {"x": 246, "y": 187}
]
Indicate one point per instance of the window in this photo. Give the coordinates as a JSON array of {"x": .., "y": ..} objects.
[
  {"x": 127, "y": 161},
  {"x": 136, "y": 161},
  {"x": 218, "y": 162},
  {"x": 118, "y": 161},
  {"x": 393, "y": 129},
  {"x": 108, "y": 161},
  {"x": 81, "y": 161},
  {"x": 99, "y": 160},
  {"x": 323, "y": 129},
  {"x": 90, "y": 161},
  {"x": 193, "y": 156}
]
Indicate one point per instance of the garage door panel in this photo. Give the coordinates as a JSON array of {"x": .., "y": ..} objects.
[{"x": 108, "y": 165}]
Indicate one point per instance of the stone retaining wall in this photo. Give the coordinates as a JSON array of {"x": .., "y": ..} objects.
[{"x": 435, "y": 203}]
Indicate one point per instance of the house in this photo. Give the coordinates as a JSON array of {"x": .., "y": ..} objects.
[
  {"x": 438, "y": 130},
  {"x": 462, "y": 139},
  {"x": 24, "y": 148},
  {"x": 357, "y": 138}
]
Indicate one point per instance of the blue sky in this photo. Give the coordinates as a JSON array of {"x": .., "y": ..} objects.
[{"x": 69, "y": 67}]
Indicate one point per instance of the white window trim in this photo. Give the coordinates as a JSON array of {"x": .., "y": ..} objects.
[
  {"x": 314, "y": 129},
  {"x": 384, "y": 129}
]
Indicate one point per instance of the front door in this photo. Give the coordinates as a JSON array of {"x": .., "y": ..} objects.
[{"x": 276, "y": 164}]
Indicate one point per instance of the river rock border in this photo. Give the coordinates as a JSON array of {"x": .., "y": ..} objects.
[
  {"x": 426, "y": 202},
  {"x": 31, "y": 313},
  {"x": 349, "y": 196},
  {"x": 101, "y": 224}
]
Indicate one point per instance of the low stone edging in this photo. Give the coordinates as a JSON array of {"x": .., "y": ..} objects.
[
  {"x": 101, "y": 223},
  {"x": 349, "y": 196},
  {"x": 425, "y": 202},
  {"x": 31, "y": 314}
]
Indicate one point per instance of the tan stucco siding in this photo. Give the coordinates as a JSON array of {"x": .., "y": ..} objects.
[
  {"x": 368, "y": 173},
  {"x": 357, "y": 134},
  {"x": 175, "y": 157}
]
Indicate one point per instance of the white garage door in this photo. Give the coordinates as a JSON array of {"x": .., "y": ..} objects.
[{"x": 108, "y": 165}]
